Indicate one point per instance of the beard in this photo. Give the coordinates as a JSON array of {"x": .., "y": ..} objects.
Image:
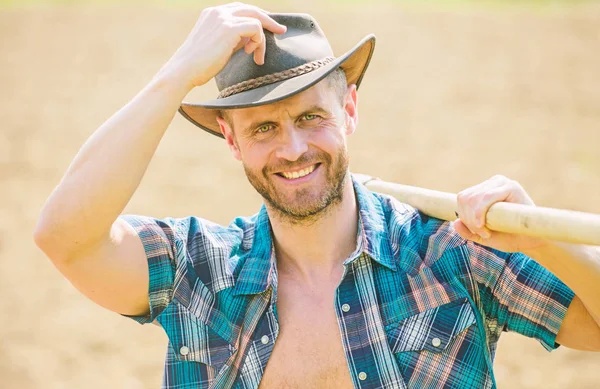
[{"x": 304, "y": 205}]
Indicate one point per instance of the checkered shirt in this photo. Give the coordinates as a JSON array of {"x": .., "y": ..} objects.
[{"x": 418, "y": 306}]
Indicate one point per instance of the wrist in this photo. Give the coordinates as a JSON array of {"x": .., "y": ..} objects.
[{"x": 174, "y": 80}]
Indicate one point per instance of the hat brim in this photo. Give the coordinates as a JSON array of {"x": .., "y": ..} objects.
[{"x": 354, "y": 63}]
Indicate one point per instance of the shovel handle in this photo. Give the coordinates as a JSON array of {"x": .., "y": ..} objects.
[{"x": 550, "y": 223}]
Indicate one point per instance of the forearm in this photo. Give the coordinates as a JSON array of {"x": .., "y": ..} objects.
[
  {"x": 108, "y": 169},
  {"x": 578, "y": 266}
]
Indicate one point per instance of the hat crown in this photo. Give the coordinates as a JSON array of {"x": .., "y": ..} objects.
[{"x": 303, "y": 42}]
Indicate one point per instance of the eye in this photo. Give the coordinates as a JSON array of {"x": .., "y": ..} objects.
[
  {"x": 309, "y": 116},
  {"x": 264, "y": 128}
]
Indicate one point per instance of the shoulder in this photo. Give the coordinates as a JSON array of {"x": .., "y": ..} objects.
[
  {"x": 422, "y": 240},
  {"x": 211, "y": 249},
  {"x": 192, "y": 228},
  {"x": 216, "y": 251},
  {"x": 411, "y": 230},
  {"x": 404, "y": 219}
]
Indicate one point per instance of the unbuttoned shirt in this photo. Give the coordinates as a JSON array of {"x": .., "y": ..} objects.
[{"x": 417, "y": 305}]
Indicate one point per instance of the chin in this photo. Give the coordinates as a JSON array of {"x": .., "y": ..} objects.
[{"x": 305, "y": 205}]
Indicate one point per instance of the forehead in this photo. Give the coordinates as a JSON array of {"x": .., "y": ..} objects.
[{"x": 320, "y": 94}]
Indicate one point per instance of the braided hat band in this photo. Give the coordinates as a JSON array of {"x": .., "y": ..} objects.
[{"x": 274, "y": 77}]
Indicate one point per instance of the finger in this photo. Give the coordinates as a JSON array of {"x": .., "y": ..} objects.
[
  {"x": 250, "y": 46},
  {"x": 466, "y": 226},
  {"x": 464, "y": 214},
  {"x": 486, "y": 200},
  {"x": 475, "y": 202},
  {"x": 499, "y": 240},
  {"x": 259, "y": 52},
  {"x": 266, "y": 21},
  {"x": 242, "y": 43},
  {"x": 467, "y": 205},
  {"x": 464, "y": 232},
  {"x": 469, "y": 219},
  {"x": 251, "y": 29},
  {"x": 484, "y": 232}
]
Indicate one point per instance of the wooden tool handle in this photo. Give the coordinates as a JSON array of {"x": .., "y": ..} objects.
[{"x": 550, "y": 223}]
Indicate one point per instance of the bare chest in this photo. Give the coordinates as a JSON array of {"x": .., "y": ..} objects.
[{"x": 308, "y": 352}]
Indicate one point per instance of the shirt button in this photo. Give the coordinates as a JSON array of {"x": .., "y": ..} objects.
[
  {"x": 184, "y": 350},
  {"x": 345, "y": 307},
  {"x": 436, "y": 342},
  {"x": 362, "y": 376},
  {"x": 264, "y": 339}
]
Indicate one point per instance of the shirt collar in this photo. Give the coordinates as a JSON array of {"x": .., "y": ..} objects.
[
  {"x": 258, "y": 265},
  {"x": 373, "y": 236}
]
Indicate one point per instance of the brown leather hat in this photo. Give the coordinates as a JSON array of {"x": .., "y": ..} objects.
[{"x": 294, "y": 61}]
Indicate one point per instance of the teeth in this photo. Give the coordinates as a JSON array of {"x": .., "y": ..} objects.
[{"x": 298, "y": 174}]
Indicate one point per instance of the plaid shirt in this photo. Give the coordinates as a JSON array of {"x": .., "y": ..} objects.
[{"x": 418, "y": 306}]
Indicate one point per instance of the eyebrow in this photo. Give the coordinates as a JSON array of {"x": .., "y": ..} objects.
[{"x": 312, "y": 109}]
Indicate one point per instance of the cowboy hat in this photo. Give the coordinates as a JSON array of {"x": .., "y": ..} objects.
[{"x": 294, "y": 61}]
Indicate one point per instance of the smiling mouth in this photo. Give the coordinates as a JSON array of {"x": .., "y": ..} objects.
[{"x": 299, "y": 173}]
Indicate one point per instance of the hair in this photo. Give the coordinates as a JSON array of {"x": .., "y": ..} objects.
[{"x": 336, "y": 81}]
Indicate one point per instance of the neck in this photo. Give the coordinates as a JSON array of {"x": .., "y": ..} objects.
[{"x": 317, "y": 248}]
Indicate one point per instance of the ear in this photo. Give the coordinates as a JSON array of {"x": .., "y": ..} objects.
[
  {"x": 351, "y": 109},
  {"x": 229, "y": 138}
]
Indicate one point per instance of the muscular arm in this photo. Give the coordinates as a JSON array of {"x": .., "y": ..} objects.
[
  {"x": 78, "y": 228},
  {"x": 578, "y": 267}
]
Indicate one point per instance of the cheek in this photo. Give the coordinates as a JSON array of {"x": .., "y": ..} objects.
[
  {"x": 329, "y": 138},
  {"x": 255, "y": 157}
]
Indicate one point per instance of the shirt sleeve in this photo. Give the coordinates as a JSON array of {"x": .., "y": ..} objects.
[
  {"x": 159, "y": 240},
  {"x": 518, "y": 294}
]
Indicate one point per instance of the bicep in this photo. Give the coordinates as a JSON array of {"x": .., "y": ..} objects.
[
  {"x": 114, "y": 273},
  {"x": 579, "y": 330},
  {"x": 520, "y": 295}
]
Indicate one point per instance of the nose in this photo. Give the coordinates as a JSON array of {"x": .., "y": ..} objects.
[{"x": 292, "y": 144}]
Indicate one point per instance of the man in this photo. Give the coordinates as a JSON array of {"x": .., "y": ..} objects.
[{"x": 329, "y": 285}]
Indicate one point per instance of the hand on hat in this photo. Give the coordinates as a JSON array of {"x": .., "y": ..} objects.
[{"x": 218, "y": 33}]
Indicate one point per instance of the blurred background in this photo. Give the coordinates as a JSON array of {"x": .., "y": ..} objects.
[{"x": 457, "y": 91}]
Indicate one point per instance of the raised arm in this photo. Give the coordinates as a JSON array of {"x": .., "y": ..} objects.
[{"x": 78, "y": 228}]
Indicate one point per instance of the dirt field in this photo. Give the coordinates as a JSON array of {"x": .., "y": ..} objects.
[{"x": 453, "y": 96}]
